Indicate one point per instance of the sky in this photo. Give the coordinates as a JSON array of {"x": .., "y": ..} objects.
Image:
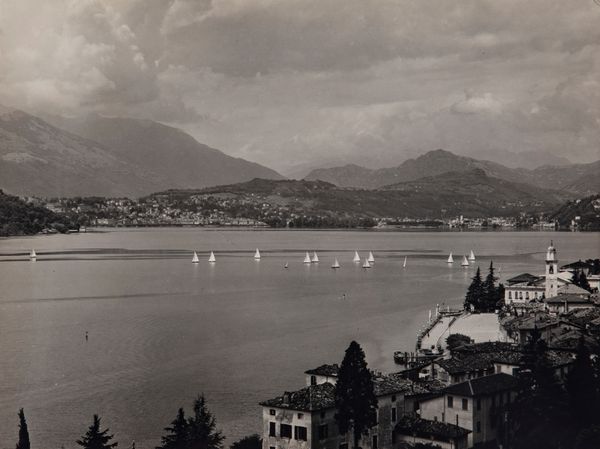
[{"x": 295, "y": 84}]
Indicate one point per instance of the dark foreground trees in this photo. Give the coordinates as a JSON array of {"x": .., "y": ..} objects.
[
  {"x": 249, "y": 442},
  {"x": 484, "y": 295},
  {"x": 96, "y": 438},
  {"x": 355, "y": 398},
  {"x": 23, "y": 432},
  {"x": 196, "y": 432}
]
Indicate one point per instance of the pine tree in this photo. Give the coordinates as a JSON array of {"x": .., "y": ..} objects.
[
  {"x": 177, "y": 438},
  {"x": 581, "y": 387},
  {"x": 23, "y": 432},
  {"x": 355, "y": 398},
  {"x": 202, "y": 427},
  {"x": 474, "y": 292},
  {"x": 96, "y": 438}
]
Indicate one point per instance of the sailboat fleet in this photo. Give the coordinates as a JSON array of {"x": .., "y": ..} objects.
[{"x": 314, "y": 259}]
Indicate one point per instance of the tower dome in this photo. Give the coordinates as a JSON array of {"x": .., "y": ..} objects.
[{"x": 551, "y": 253}]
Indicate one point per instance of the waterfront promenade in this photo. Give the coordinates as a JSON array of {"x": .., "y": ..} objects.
[{"x": 480, "y": 327}]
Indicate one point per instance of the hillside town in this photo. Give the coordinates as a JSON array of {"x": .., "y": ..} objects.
[{"x": 466, "y": 394}]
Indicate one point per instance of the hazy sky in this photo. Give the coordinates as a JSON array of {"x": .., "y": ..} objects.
[{"x": 293, "y": 82}]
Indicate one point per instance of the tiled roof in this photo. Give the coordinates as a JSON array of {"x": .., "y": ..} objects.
[
  {"x": 395, "y": 383},
  {"x": 308, "y": 399},
  {"x": 325, "y": 370},
  {"x": 569, "y": 298},
  {"x": 525, "y": 277},
  {"x": 413, "y": 425},
  {"x": 467, "y": 363},
  {"x": 572, "y": 289},
  {"x": 487, "y": 346},
  {"x": 570, "y": 340},
  {"x": 483, "y": 386},
  {"x": 556, "y": 358}
]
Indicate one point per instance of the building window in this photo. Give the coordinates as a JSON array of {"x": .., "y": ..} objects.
[
  {"x": 393, "y": 398},
  {"x": 478, "y": 404},
  {"x": 313, "y": 380},
  {"x": 300, "y": 433},
  {"x": 478, "y": 426},
  {"x": 393, "y": 414},
  {"x": 526, "y": 295},
  {"x": 323, "y": 431},
  {"x": 271, "y": 447},
  {"x": 322, "y": 415},
  {"x": 271, "y": 429},
  {"x": 374, "y": 446},
  {"x": 300, "y": 415},
  {"x": 465, "y": 404},
  {"x": 343, "y": 445},
  {"x": 285, "y": 431},
  {"x": 450, "y": 402},
  {"x": 272, "y": 412},
  {"x": 393, "y": 437},
  {"x": 509, "y": 294}
]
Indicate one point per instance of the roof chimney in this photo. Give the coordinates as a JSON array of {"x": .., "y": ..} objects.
[{"x": 286, "y": 398}]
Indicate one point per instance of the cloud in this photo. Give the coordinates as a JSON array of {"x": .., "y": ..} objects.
[{"x": 301, "y": 81}]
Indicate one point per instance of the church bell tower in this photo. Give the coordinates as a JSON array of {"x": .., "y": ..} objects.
[{"x": 551, "y": 272}]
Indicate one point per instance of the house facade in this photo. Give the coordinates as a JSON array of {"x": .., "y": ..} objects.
[{"x": 473, "y": 405}]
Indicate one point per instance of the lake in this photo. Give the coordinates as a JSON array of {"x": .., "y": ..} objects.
[{"x": 161, "y": 329}]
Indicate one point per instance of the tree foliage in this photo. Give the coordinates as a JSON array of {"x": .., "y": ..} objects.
[
  {"x": 196, "y": 432},
  {"x": 580, "y": 279},
  {"x": 355, "y": 398},
  {"x": 455, "y": 340},
  {"x": 249, "y": 442},
  {"x": 483, "y": 295},
  {"x": 23, "y": 432},
  {"x": 96, "y": 438}
]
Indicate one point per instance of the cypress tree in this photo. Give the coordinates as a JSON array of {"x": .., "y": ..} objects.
[
  {"x": 23, "y": 432},
  {"x": 249, "y": 442},
  {"x": 474, "y": 292},
  {"x": 355, "y": 398},
  {"x": 96, "y": 438},
  {"x": 489, "y": 294}
]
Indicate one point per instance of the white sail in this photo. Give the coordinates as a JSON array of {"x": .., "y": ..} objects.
[
  {"x": 366, "y": 264},
  {"x": 450, "y": 258},
  {"x": 307, "y": 258},
  {"x": 212, "y": 257},
  {"x": 465, "y": 262},
  {"x": 404, "y": 264},
  {"x": 371, "y": 258},
  {"x": 286, "y": 265},
  {"x": 257, "y": 254},
  {"x": 336, "y": 264},
  {"x": 195, "y": 258},
  {"x": 315, "y": 258},
  {"x": 472, "y": 256},
  {"x": 32, "y": 255},
  {"x": 356, "y": 257}
]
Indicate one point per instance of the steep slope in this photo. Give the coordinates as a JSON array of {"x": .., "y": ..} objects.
[
  {"x": 179, "y": 160},
  {"x": 38, "y": 159},
  {"x": 583, "y": 179}
]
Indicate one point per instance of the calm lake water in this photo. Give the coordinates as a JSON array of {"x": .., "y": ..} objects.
[{"x": 162, "y": 329}]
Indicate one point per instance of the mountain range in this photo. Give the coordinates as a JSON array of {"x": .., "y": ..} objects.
[
  {"x": 101, "y": 156},
  {"x": 577, "y": 179}
]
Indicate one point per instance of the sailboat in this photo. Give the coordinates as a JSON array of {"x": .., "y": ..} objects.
[
  {"x": 356, "y": 257},
  {"x": 286, "y": 265},
  {"x": 257, "y": 254},
  {"x": 212, "y": 258},
  {"x": 32, "y": 255},
  {"x": 450, "y": 258},
  {"x": 371, "y": 259},
  {"x": 472, "y": 256},
  {"x": 404, "y": 264},
  {"x": 307, "y": 258},
  {"x": 315, "y": 258},
  {"x": 195, "y": 258},
  {"x": 336, "y": 264},
  {"x": 366, "y": 264},
  {"x": 465, "y": 262}
]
